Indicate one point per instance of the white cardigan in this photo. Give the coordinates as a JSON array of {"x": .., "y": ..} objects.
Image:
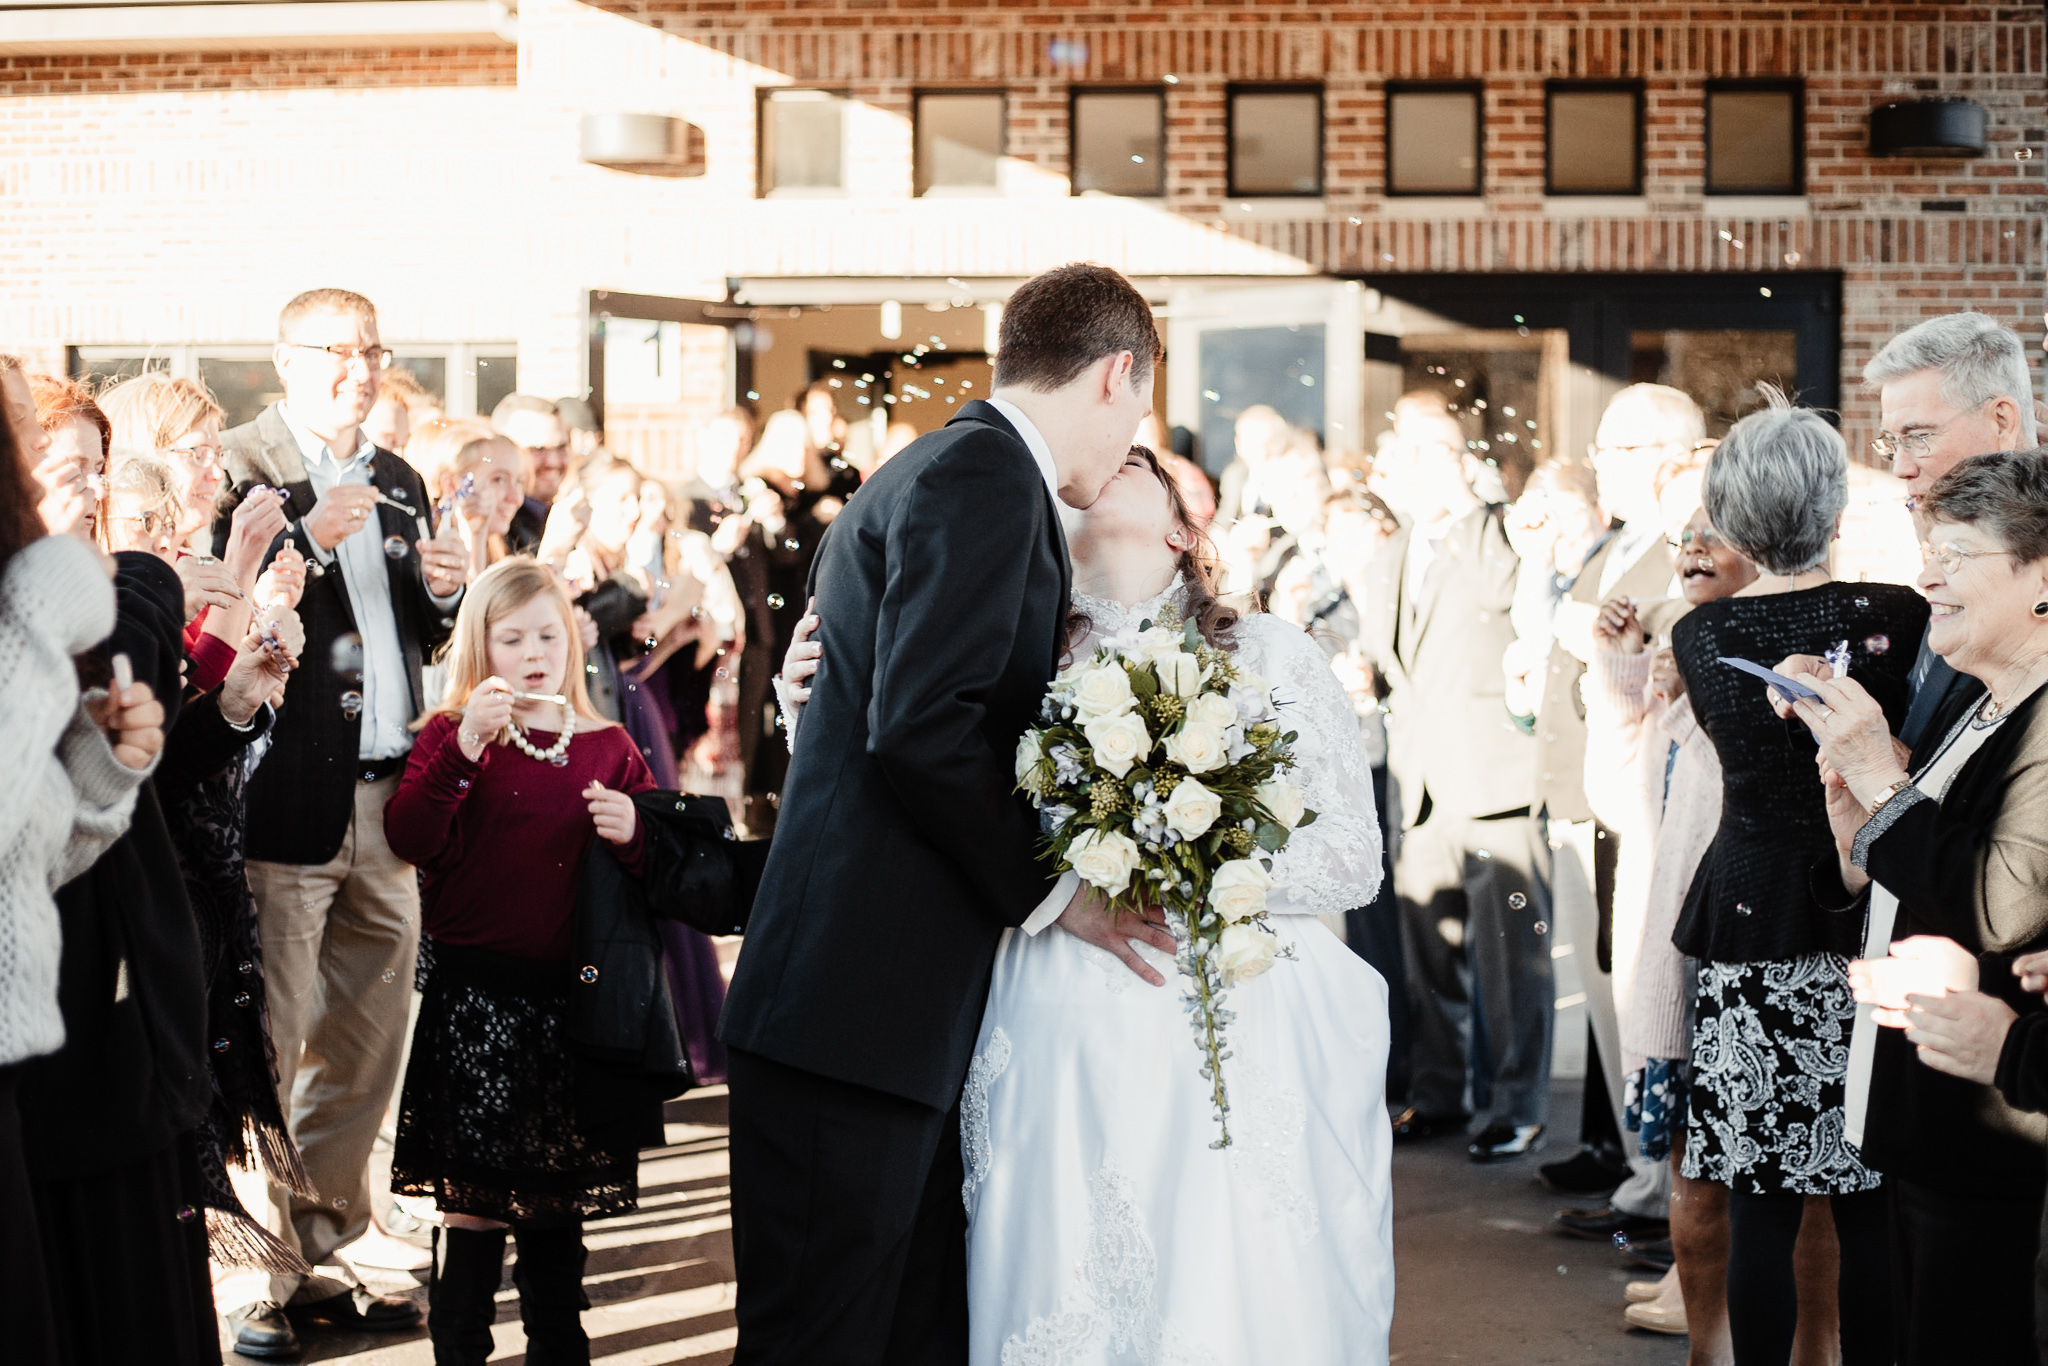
[{"x": 64, "y": 798}]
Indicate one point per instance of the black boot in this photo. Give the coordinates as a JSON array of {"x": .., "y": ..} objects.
[
  {"x": 461, "y": 1294},
  {"x": 549, "y": 1274}
]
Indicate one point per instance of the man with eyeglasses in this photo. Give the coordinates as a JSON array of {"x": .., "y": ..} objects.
[
  {"x": 1647, "y": 434},
  {"x": 1947, "y": 389},
  {"x": 337, "y": 910},
  {"x": 535, "y": 426}
]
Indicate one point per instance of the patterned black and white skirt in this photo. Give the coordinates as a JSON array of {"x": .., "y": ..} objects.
[
  {"x": 497, "y": 1118},
  {"x": 1770, "y": 1064}
]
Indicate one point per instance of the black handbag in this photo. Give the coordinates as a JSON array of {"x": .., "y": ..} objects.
[{"x": 621, "y": 1016}]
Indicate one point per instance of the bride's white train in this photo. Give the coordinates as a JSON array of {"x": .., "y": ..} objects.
[{"x": 1102, "y": 1227}]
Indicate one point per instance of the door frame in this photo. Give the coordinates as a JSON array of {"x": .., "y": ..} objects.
[{"x": 606, "y": 304}]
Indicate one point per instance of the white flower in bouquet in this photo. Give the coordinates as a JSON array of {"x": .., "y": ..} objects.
[
  {"x": 1283, "y": 800},
  {"x": 1030, "y": 751},
  {"x": 1253, "y": 699},
  {"x": 1212, "y": 709},
  {"x": 1104, "y": 859},
  {"x": 1192, "y": 809},
  {"x": 1157, "y": 643},
  {"x": 1104, "y": 691},
  {"x": 1180, "y": 673},
  {"x": 1246, "y": 951},
  {"x": 1238, "y": 891},
  {"x": 1197, "y": 748},
  {"x": 1118, "y": 741}
]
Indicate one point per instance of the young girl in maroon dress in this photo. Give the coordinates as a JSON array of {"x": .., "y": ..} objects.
[{"x": 505, "y": 791}]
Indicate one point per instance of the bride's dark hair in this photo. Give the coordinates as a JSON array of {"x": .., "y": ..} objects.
[{"x": 1199, "y": 571}]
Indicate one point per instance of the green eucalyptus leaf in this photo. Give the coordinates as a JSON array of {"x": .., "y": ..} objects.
[
  {"x": 1307, "y": 818},
  {"x": 1269, "y": 836},
  {"x": 1191, "y": 636}
]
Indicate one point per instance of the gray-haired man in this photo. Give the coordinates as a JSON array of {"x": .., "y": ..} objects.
[{"x": 1948, "y": 388}]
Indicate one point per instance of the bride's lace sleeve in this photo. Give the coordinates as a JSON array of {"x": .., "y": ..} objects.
[{"x": 1333, "y": 864}]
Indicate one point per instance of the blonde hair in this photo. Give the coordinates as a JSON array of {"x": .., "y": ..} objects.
[
  {"x": 506, "y": 587},
  {"x": 445, "y": 449},
  {"x": 151, "y": 411},
  {"x": 150, "y": 481},
  {"x": 397, "y": 382}
]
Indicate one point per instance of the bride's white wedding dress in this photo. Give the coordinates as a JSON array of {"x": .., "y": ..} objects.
[{"x": 1102, "y": 1227}]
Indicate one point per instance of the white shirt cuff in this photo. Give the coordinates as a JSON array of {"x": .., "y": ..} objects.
[{"x": 1055, "y": 902}]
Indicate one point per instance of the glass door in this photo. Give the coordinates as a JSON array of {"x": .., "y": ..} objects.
[{"x": 660, "y": 370}]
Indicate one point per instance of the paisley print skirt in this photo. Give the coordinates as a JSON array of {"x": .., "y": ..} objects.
[{"x": 1770, "y": 1062}]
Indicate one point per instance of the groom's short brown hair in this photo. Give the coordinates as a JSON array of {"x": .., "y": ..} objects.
[{"x": 1058, "y": 324}]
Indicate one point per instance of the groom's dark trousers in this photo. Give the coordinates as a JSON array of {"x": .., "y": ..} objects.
[{"x": 901, "y": 853}]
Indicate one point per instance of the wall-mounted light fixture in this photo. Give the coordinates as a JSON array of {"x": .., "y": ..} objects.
[
  {"x": 1935, "y": 127},
  {"x": 643, "y": 144}
]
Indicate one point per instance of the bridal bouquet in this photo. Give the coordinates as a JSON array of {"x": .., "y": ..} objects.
[{"x": 1156, "y": 771}]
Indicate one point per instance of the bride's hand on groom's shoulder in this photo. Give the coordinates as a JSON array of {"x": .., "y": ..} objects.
[{"x": 1091, "y": 918}]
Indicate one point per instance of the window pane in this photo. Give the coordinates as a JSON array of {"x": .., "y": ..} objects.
[
  {"x": 1749, "y": 142},
  {"x": 1119, "y": 143},
  {"x": 959, "y": 141},
  {"x": 1281, "y": 367},
  {"x": 101, "y": 371},
  {"x": 1433, "y": 142},
  {"x": 243, "y": 388},
  {"x": 1276, "y": 142},
  {"x": 496, "y": 377},
  {"x": 1593, "y": 142},
  {"x": 801, "y": 141},
  {"x": 430, "y": 371}
]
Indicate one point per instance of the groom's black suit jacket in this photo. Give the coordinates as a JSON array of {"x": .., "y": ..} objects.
[{"x": 901, "y": 851}]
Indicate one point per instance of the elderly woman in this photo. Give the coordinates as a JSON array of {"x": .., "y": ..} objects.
[
  {"x": 1950, "y": 843},
  {"x": 1770, "y": 1045}
]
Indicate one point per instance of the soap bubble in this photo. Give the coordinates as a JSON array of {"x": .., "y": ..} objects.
[
  {"x": 1516, "y": 901},
  {"x": 395, "y": 547},
  {"x": 2023, "y": 154},
  {"x": 345, "y": 656},
  {"x": 351, "y": 704},
  {"x": 1543, "y": 927},
  {"x": 220, "y": 1045},
  {"x": 1862, "y": 603},
  {"x": 776, "y": 599},
  {"x": 1742, "y": 908},
  {"x": 1877, "y": 644},
  {"x": 242, "y": 998},
  {"x": 792, "y": 544}
]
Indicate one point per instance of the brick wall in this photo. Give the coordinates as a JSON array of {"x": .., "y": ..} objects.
[{"x": 181, "y": 198}]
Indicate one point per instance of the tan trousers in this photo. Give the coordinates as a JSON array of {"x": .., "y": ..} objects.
[{"x": 339, "y": 940}]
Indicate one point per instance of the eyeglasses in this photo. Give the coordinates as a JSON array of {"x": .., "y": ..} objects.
[
  {"x": 372, "y": 356},
  {"x": 1887, "y": 446},
  {"x": 1952, "y": 557},
  {"x": 198, "y": 452},
  {"x": 1706, "y": 541}
]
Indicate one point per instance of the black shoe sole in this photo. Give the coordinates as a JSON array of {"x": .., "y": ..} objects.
[{"x": 280, "y": 1353}]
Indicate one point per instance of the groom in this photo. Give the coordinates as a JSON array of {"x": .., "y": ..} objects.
[{"x": 902, "y": 853}]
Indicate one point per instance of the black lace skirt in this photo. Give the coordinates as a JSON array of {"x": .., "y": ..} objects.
[{"x": 498, "y": 1119}]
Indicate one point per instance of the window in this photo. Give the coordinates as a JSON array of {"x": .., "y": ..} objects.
[
  {"x": 959, "y": 141},
  {"x": 1593, "y": 133},
  {"x": 1276, "y": 141},
  {"x": 468, "y": 377},
  {"x": 1755, "y": 132},
  {"x": 1433, "y": 139},
  {"x": 803, "y": 142},
  {"x": 1119, "y": 141}
]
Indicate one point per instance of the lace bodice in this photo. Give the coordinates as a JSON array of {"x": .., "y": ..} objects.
[{"x": 1334, "y": 864}]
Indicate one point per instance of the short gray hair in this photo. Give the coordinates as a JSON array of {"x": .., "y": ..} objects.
[
  {"x": 520, "y": 403},
  {"x": 1777, "y": 483},
  {"x": 1979, "y": 360}
]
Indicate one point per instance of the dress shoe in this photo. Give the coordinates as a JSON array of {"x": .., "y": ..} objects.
[
  {"x": 262, "y": 1330},
  {"x": 357, "y": 1309},
  {"x": 1654, "y": 1253},
  {"x": 380, "y": 1250},
  {"x": 1412, "y": 1123},
  {"x": 1642, "y": 1292},
  {"x": 1497, "y": 1141},
  {"x": 1585, "y": 1173},
  {"x": 1656, "y": 1318},
  {"x": 1607, "y": 1222}
]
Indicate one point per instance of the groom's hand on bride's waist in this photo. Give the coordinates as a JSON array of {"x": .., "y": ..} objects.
[{"x": 1090, "y": 917}]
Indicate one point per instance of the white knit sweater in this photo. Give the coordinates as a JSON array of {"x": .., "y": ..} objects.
[{"x": 64, "y": 797}]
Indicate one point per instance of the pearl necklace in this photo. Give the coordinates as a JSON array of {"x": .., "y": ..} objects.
[{"x": 557, "y": 753}]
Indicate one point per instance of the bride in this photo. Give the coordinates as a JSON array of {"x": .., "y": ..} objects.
[{"x": 1102, "y": 1226}]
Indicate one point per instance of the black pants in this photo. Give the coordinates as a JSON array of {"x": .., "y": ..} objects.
[
  {"x": 30, "y": 1330},
  {"x": 1472, "y": 893},
  {"x": 1965, "y": 1276},
  {"x": 1763, "y": 1296},
  {"x": 848, "y": 1233}
]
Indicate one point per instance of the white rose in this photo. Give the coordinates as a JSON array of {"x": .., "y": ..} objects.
[
  {"x": 1197, "y": 748},
  {"x": 1105, "y": 691},
  {"x": 1118, "y": 741},
  {"x": 1029, "y": 753},
  {"x": 1159, "y": 642},
  {"x": 1252, "y": 696},
  {"x": 1213, "y": 709},
  {"x": 1104, "y": 859},
  {"x": 1180, "y": 673},
  {"x": 1192, "y": 809},
  {"x": 1245, "y": 951},
  {"x": 1238, "y": 891},
  {"x": 1283, "y": 800}
]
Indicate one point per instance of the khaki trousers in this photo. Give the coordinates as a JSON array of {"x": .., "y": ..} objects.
[{"x": 339, "y": 940}]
